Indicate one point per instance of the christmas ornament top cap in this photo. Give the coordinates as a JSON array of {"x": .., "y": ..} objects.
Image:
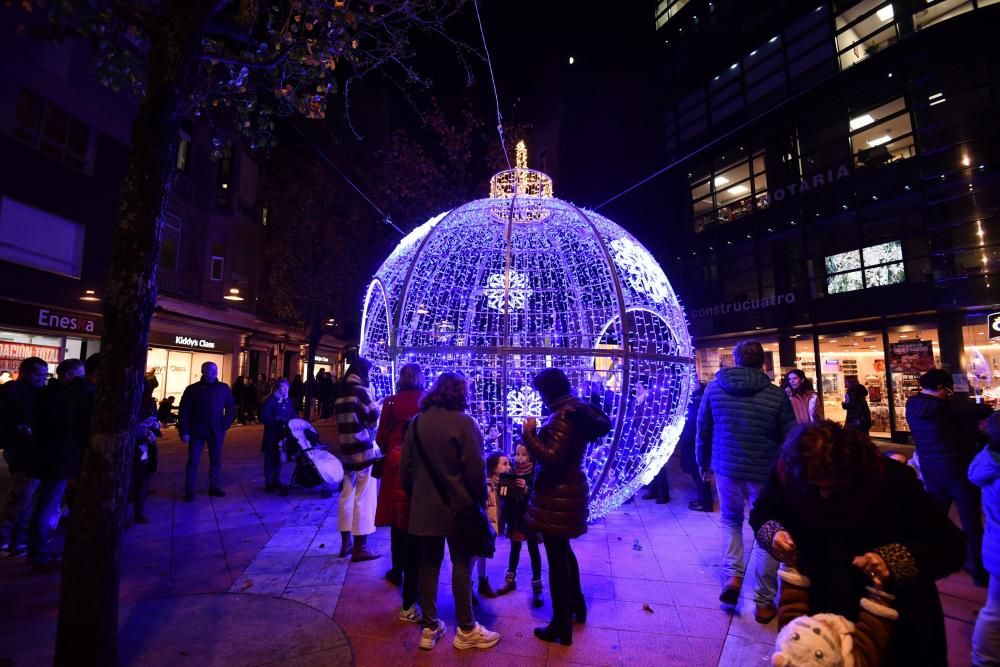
[{"x": 520, "y": 181}]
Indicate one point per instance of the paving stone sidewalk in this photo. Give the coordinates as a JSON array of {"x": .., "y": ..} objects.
[{"x": 649, "y": 572}]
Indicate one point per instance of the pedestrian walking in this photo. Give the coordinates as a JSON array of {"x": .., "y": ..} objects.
[
  {"x": 296, "y": 392},
  {"x": 443, "y": 449},
  {"x": 17, "y": 409},
  {"x": 206, "y": 413},
  {"x": 559, "y": 503},
  {"x": 944, "y": 429},
  {"x": 984, "y": 472},
  {"x": 742, "y": 421},
  {"x": 859, "y": 415},
  {"x": 357, "y": 417},
  {"x": 689, "y": 457},
  {"x": 275, "y": 414},
  {"x": 146, "y": 454},
  {"x": 53, "y": 460},
  {"x": 393, "y": 508}
]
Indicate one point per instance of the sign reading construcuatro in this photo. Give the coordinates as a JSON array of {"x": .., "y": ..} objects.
[{"x": 724, "y": 308}]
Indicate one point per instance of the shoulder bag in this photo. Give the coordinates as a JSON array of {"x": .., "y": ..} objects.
[{"x": 473, "y": 526}]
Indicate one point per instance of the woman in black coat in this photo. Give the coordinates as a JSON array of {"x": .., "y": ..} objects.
[
  {"x": 559, "y": 502},
  {"x": 847, "y": 517}
]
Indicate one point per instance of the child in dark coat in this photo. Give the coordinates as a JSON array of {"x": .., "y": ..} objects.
[{"x": 513, "y": 508}]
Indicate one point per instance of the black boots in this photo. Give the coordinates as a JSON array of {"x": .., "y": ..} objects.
[{"x": 556, "y": 631}]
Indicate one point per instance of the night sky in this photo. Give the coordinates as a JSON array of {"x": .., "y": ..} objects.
[{"x": 608, "y": 98}]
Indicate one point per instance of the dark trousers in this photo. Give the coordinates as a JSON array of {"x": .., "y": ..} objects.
[
  {"x": 431, "y": 557},
  {"x": 272, "y": 465},
  {"x": 661, "y": 484},
  {"x": 946, "y": 489},
  {"x": 195, "y": 445},
  {"x": 406, "y": 559},
  {"x": 533, "y": 553},
  {"x": 47, "y": 501},
  {"x": 142, "y": 479},
  {"x": 564, "y": 578},
  {"x": 703, "y": 489}
]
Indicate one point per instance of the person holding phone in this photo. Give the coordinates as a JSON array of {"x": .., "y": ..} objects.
[{"x": 847, "y": 518}]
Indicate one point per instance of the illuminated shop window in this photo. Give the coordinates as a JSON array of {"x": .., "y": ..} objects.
[
  {"x": 863, "y": 29},
  {"x": 882, "y": 135},
  {"x": 736, "y": 186},
  {"x": 874, "y": 266}
]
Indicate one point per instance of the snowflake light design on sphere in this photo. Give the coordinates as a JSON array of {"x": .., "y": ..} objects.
[
  {"x": 641, "y": 270},
  {"x": 502, "y": 287},
  {"x": 523, "y": 403},
  {"x": 519, "y": 290}
]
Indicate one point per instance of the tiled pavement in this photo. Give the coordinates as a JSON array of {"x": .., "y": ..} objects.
[{"x": 648, "y": 570}]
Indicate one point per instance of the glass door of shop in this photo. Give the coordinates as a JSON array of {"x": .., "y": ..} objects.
[
  {"x": 913, "y": 350},
  {"x": 850, "y": 357}
]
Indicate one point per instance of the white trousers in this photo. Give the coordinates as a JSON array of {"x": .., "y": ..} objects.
[{"x": 358, "y": 498}]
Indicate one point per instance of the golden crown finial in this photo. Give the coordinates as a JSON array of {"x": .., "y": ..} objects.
[{"x": 521, "y": 155}]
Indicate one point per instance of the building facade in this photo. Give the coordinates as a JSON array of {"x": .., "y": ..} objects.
[
  {"x": 835, "y": 189},
  {"x": 64, "y": 140}
]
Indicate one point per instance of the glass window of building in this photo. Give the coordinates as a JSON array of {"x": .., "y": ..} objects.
[
  {"x": 873, "y": 266},
  {"x": 882, "y": 135},
  {"x": 982, "y": 362},
  {"x": 913, "y": 350},
  {"x": 170, "y": 243},
  {"x": 940, "y": 10},
  {"x": 708, "y": 360},
  {"x": 863, "y": 29},
  {"x": 666, "y": 10},
  {"x": 52, "y": 130},
  {"x": 735, "y": 187},
  {"x": 854, "y": 357}
]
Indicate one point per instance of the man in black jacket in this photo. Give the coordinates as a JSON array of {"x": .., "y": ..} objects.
[
  {"x": 206, "y": 413},
  {"x": 944, "y": 428},
  {"x": 53, "y": 459},
  {"x": 17, "y": 405}
]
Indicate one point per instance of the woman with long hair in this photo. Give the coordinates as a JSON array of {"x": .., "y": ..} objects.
[
  {"x": 846, "y": 518},
  {"x": 805, "y": 400},
  {"x": 443, "y": 449},
  {"x": 559, "y": 503},
  {"x": 393, "y": 504}
]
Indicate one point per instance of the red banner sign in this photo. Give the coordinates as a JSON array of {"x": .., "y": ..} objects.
[{"x": 15, "y": 352}]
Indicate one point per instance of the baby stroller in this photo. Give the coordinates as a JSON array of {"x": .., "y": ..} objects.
[{"x": 313, "y": 464}]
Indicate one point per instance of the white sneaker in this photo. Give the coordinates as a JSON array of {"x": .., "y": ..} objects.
[
  {"x": 411, "y": 615},
  {"x": 477, "y": 637},
  {"x": 430, "y": 636}
]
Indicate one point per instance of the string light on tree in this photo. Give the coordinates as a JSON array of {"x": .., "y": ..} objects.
[{"x": 502, "y": 287}]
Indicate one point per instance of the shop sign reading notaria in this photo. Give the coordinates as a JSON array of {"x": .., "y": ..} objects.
[{"x": 809, "y": 182}]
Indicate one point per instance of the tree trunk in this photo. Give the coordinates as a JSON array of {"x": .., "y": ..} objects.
[{"x": 88, "y": 604}]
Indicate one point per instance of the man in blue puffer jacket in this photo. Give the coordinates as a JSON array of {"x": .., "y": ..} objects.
[{"x": 742, "y": 422}]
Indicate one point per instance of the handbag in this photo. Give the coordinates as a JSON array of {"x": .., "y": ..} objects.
[
  {"x": 378, "y": 467},
  {"x": 473, "y": 526}
]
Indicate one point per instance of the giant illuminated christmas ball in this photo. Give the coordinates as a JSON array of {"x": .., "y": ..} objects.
[{"x": 500, "y": 288}]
